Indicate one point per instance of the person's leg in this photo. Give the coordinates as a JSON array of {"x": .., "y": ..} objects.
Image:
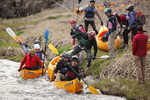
[
  {"x": 88, "y": 52},
  {"x": 76, "y": 50},
  {"x": 142, "y": 68},
  {"x": 59, "y": 77},
  {"x": 86, "y": 23},
  {"x": 111, "y": 40},
  {"x": 126, "y": 38},
  {"x": 94, "y": 43},
  {"x": 94, "y": 26},
  {"x": 133, "y": 32}
]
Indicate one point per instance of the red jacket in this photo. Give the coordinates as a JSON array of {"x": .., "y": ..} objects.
[
  {"x": 31, "y": 61},
  {"x": 139, "y": 44}
]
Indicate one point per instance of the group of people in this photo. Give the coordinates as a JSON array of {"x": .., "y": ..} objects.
[{"x": 68, "y": 67}]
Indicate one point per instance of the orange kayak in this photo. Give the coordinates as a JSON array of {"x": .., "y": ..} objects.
[{"x": 30, "y": 74}]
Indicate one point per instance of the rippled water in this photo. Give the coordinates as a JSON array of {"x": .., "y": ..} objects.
[{"x": 12, "y": 87}]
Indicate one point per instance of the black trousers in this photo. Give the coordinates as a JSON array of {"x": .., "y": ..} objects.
[
  {"x": 92, "y": 23},
  {"x": 93, "y": 43}
]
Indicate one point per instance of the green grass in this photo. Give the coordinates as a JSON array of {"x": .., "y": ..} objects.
[
  {"x": 54, "y": 17},
  {"x": 131, "y": 89},
  {"x": 19, "y": 32},
  {"x": 64, "y": 48},
  {"x": 13, "y": 58}
]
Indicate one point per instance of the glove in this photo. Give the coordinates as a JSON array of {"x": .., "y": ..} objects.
[
  {"x": 19, "y": 70},
  {"x": 94, "y": 57},
  {"x": 102, "y": 23}
]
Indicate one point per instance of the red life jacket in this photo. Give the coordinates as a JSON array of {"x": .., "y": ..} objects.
[{"x": 32, "y": 61}]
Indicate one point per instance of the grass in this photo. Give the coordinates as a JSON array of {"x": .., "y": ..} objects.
[
  {"x": 54, "y": 17},
  {"x": 64, "y": 49},
  {"x": 128, "y": 88}
]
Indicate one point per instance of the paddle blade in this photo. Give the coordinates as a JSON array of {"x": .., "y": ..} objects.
[
  {"x": 93, "y": 90},
  {"x": 54, "y": 50},
  {"x": 10, "y": 32},
  {"x": 46, "y": 35}
]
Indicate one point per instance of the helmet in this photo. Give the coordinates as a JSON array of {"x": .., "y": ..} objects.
[
  {"x": 65, "y": 55},
  {"x": 36, "y": 46},
  {"x": 75, "y": 58},
  {"x": 92, "y": 0},
  {"x": 108, "y": 10},
  {"x": 32, "y": 51},
  {"x": 72, "y": 21},
  {"x": 130, "y": 8},
  {"x": 37, "y": 42}
]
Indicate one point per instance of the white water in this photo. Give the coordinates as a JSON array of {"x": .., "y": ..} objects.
[{"x": 12, "y": 87}]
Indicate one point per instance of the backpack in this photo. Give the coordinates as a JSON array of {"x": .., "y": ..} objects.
[{"x": 140, "y": 18}]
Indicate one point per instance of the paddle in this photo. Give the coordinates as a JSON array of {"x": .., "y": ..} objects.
[
  {"x": 91, "y": 88},
  {"x": 46, "y": 42},
  {"x": 17, "y": 39},
  {"x": 53, "y": 49}
]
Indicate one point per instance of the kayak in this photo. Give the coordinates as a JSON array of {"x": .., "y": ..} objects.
[
  {"x": 52, "y": 66},
  {"x": 74, "y": 86},
  {"x": 30, "y": 74},
  {"x": 104, "y": 45},
  {"x": 148, "y": 45}
]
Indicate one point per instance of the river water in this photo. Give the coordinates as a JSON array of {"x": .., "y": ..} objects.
[{"x": 12, "y": 87}]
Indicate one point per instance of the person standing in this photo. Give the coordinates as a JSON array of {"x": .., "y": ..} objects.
[
  {"x": 89, "y": 17},
  {"x": 78, "y": 32},
  {"x": 139, "y": 50},
  {"x": 111, "y": 34}
]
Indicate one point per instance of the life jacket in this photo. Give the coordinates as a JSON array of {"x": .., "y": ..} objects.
[
  {"x": 81, "y": 36},
  {"x": 140, "y": 19},
  {"x": 31, "y": 61},
  {"x": 90, "y": 12},
  {"x": 114, "y": 22}
]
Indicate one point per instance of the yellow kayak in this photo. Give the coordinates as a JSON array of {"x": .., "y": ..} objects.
[
  {"x": 74, "y": 86},
  {"x": 30, "y": 74},
  {"x": 148, "y": 45},
  {"x": 52, "y": 66},
  {"x": 104, "y": 45}
]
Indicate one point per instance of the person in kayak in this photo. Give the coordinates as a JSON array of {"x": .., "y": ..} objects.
[
  {"x": 74, "y": 69},
  {"x": 89, "y": 17},
  {"x": 62, "y": 67},
  {"x": 31, "y": 61},
  {"x": 78, "y": 32}
]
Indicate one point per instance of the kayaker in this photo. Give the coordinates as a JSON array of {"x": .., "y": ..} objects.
[
  {"x": 111, "y": 34},
  {"x": 77, "y": 32},
  {"x": 31, "y": 61},
  {"x": 89, "y": 17},
  {"x": 139, "y": 50},
  {"x": 62, "y": 67},
  {"x": 74, "y": 69}
]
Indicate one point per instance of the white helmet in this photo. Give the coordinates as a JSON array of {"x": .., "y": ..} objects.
[{"x": 36, "y": 46}]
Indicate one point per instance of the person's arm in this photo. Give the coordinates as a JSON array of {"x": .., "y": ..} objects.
[
  {"x": 57, "y": 67},
  {"x": 22, "y": 63},
  {"x": 73, "y": 42},
  {"x": 134, "y": 46},
  {"x": 81, "y": 9},
  {"x": 99, "y": 17}
]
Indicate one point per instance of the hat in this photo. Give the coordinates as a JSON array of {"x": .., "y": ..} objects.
[
  {"x": 140, "y": 28},
  {"x": 108, "y": 10},
  {"x": 72, "y": 21},
  {"x": 130, "y": 8},
  {"x": 92, "y": 0}
]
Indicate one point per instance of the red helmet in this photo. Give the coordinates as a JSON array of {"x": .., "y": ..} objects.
[{"x": 72, "y": 21}]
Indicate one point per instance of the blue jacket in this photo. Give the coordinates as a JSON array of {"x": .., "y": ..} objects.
[{"x": 131, "y": 16}]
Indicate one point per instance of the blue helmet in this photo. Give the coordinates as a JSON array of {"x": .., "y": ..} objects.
[{"x": 108, "y": 10}]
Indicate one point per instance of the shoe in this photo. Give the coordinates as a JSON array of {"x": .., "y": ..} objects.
[
  {"x": 126, "y": 47},
  {"x": 88, "y": 65},
  {"x": 94, "y": 57}
]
